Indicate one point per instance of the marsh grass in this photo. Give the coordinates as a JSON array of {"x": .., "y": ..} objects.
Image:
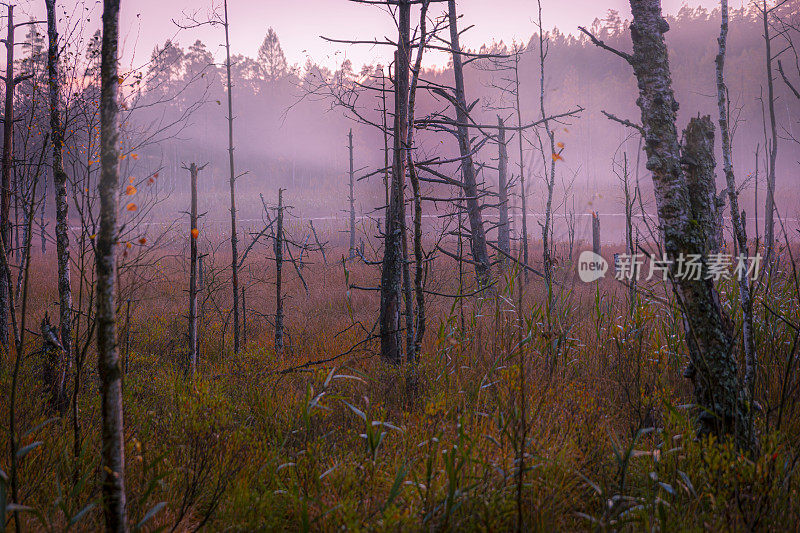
[{"x": 356, "y": 444}]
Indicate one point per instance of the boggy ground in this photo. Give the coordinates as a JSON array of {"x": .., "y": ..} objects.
[{"x": 571, "y": 415}]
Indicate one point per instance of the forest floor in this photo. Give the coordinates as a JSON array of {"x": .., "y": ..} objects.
[{"x": 567, "y": 415}]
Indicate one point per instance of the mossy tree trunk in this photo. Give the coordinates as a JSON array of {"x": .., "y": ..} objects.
[{"x": 685, "y": 209}]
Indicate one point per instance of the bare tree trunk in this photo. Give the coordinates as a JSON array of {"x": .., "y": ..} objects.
[
  {"x": 244, "y": 313},
  {"x": 5, "y": 185},
  {"x": 630, "y": 246},
  {"x": 407, "y": 294},
  {"x": 596, "y": 247},
  {"x": 319, "y": 244},
  {"x": 234, "y": 235},
  {"x": 523, "y": 195},
  {"x": 385, "y": 137},
  {"x": 415, "y": 328},
  {"x": 724, "y": 404},
  {"x": 547, "y": 159},
  {"x": 278, "y": 276},
  {"x": 739, "y": 230},
  {"x": 60, "y": 182},
  {"x": 113, "y": 445},
  {"x": 503, "y": 237},
  {"x": 352, "y": 197},
  {"x": 392, "y": 268},
  {"x": 769, "y": 213},
  {"x": 477, "y": 235},
  {"x": 194, "y": 232},
  {"x": 42, "y": 223}
]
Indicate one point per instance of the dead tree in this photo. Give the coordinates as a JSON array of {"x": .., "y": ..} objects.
[
  {"x": 503, "y": 237},
  {"x": 629, "y": 197},
  {"x": 232, "y": 182},
  {"x": 392, "y": 268},
  {"x": 60, "y": 182},
  {"x": 596, "y": 232},
  {"x": 480, "y": 255},
  {"x": 772, "y": 142},
  {"x": 724, "y": 405},
  {"x": 549, "y": 158},
  {"x": 194, "y": 232},
  {"x": 737, "y": 217},
  {"x": 5, "y": 186},
  {"x": 414, "y": 343},
  {"x": 320, "y": 246},
  {"x": 113, "y": 444},
  {"x": 523, "y": 195},
  {"x": 244, "y": 318},
  {"x": 352, "y": 197},
  {"x": 279, "y": 244},
  {"x": 11, "y": 80}
]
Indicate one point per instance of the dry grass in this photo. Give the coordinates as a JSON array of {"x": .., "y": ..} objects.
[{"x": 361, "y": 445}]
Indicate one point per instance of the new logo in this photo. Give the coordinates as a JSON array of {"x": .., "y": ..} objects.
[{"x": 591, "y": 266}]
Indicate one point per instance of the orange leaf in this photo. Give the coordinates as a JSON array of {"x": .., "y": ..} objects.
[
  {"x": 195, "y": 233},
  {"x": 130, "y": 180},
  {"x": 142, "y": 241},
  {"x": 131, "y": 207},
  {"x": 557, "y": 157},
  {"x": 128, "y": 245},
  {"x": 130, "y": 190},
  {"x": 155, "y": 175},
  {"x": 560, "y": 145}
]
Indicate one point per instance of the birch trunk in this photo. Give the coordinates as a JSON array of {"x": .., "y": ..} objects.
[
  {"x": 62, "y": 206},
  {"x": 723, "y": 403},
  {"x": 113, "y": 446}
]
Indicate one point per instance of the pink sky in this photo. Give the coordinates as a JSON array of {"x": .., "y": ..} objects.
[{"x": 299, "y": 23}]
